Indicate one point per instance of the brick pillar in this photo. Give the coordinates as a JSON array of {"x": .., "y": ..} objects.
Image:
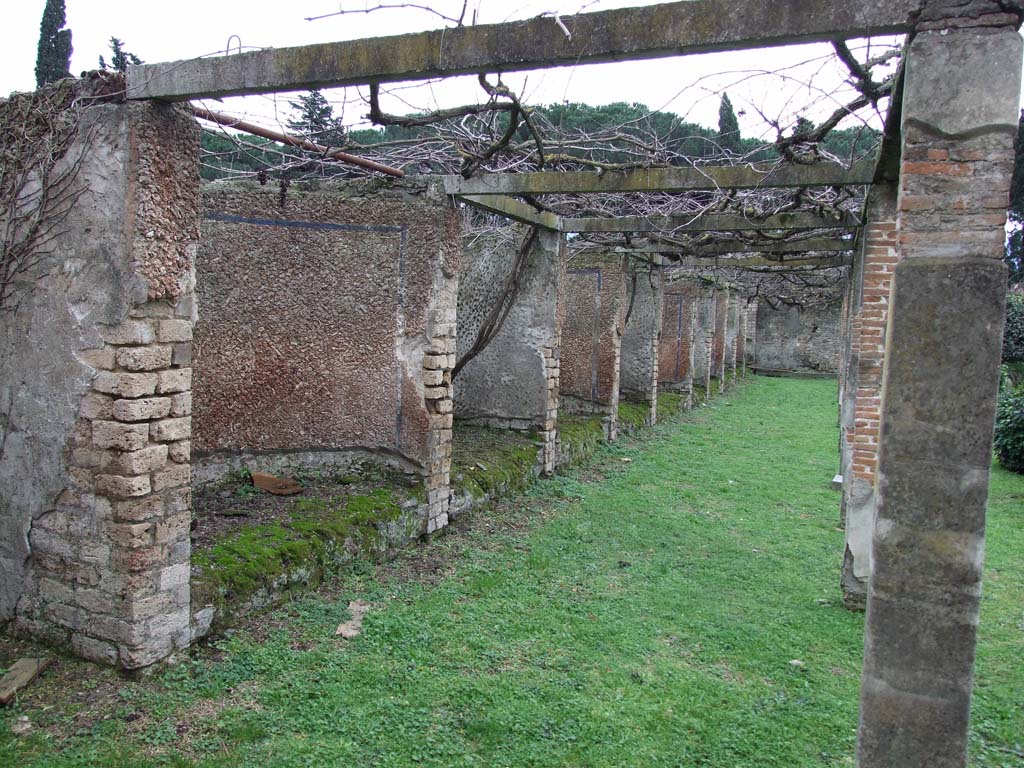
[
  {"x": 438, "y": 363},
  {"x": 940, "y": 379},
  {"x": 553, "y": 247},
  {"x": 109, "y": 552},
  {"x": 704, "y": 340},
  {"x": 721, "y": 312},
  {"x": 869, "y": 311}
]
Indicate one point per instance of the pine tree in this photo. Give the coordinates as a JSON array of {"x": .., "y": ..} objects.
[
  {"x": 53, "y": 60},
  {"x": 316, "y": 119},
  {"x": 120, "y": 58},
  {"x": 728, "y": 127}
]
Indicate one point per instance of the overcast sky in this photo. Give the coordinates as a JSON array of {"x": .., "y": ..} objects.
[{"x": 181, "y": 29}]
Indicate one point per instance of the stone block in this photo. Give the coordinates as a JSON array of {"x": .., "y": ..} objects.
[
  {"x": 174, "y": 528},
  {"x": 171, "y": 430},
  {"x": 175, "y": 330},
  {"x": 144, "y": 358},
  {"x": 101, "y": 358},
  {"x": 122, "y": 437},
  {"x": 140, "y": 462},
  {"x": 92, "y": 649},
  {"x": 175, "y": 476},
  {"x": 181, "y": 404},
  {"x": 143, "y": 509},
  {"x": 142, "y": 409},
  {"x": 173, "y": 576},
  {"x": 126, "y": 384},
  {"x": 180, "y": 451},
  {"x": 130, "y": 332},
  {"x": 177, "y": 380},
  {"x": 131, "y": 535},
  {"x": 182, "y": 356},
  {"x": 96, "y": 406},
  {"x": 118, "y": 487}
]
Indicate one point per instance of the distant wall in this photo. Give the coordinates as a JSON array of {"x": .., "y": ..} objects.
[
  {"x": 316, "y": 319},
  {"x": 798, "y": 339},
  {"x": 638, "y": 364},
  {"x": 595, "y": 296}
]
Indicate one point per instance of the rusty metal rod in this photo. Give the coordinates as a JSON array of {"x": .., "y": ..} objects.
[{"x": 294, "y": 141}]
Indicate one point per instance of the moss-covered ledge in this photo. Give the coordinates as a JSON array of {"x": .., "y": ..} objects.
[{"x": 262, "y": 565}]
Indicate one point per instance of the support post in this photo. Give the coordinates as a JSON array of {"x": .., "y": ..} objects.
[
  {"x": 639, "y": 359},
  {"x": 939, "y": 388}
]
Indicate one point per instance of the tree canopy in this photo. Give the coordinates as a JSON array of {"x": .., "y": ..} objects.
[{"x": 53, "y": 59}]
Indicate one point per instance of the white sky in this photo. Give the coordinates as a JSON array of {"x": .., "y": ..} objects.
[{"x": 181, "y": 29}]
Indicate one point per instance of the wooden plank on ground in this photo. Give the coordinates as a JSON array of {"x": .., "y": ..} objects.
[{"x": 21, "y": 673}]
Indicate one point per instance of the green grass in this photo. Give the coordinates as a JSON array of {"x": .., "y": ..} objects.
[{"x": 647, "y": 619}]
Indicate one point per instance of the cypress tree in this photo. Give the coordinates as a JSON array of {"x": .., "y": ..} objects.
[
  {"x": 728, "y": 127},
  {"x": 53, "y": 60}
]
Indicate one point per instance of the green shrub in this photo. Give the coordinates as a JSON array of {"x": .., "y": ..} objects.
[
  {"x": 1013, "y": 335},
  {"x": 1009, "y": 441}
]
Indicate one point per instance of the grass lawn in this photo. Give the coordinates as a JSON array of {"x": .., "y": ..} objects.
[{"x": 644, "y": 610}]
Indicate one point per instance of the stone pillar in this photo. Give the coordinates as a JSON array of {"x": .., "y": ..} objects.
[
  {"x": 95, "y": 398},
  {"x": 721, "y": 312},
  {"x": 595, "y": 303},
  {"x": 639, "y": 361},
  {"x": 750, "y": 342},
  {"x": 513, "y": 383},
  {"x": 939, "y": 383},
  {"x": 868, "y": 313}
]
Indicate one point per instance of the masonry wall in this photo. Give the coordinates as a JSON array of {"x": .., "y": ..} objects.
[
  {"x": 327, "y": 331},
  {"x": 639, "y": 358},
  {"x": 514, "y": 381},
  {"x": 703, "y": 339},
  {"x": 718, "y": 337},
  {"x": 594, "y": 306},
  {"x": 94, "y": 409},
  {"x": 677, "y": 340},
  {"x": 799, "y": 339}
]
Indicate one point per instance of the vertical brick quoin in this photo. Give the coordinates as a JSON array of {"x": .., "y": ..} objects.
[
  {"x": 108, "y": 555},
  {"x": 717, "y": 367},
  {"x": 639, "y": 357},
  {"x": 868, "y": 316},
  {"x": 340, "y": 355},
  {"x": 939, "y": 386},
  {"x": 594, "y": 308}
]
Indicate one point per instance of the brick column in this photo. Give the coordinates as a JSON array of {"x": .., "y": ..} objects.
[
  {"x": 554, "y": 249},
  {"x": 438, "y": 363},
  {"x": 869, "y": 311},
  {"x": 939, "y": 383}
]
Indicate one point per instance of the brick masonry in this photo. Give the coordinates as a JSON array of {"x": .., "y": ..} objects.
[
  {"x": 594, "y": 308},
  {"x": 514, "y": 382},
  {"x": 678, "y": 342},
  {"x": 718, "y": 338},
  {"x": 108, "y": 552},
  {"x": 342, "y": 342},
  {"x": 640, "y": 354}
]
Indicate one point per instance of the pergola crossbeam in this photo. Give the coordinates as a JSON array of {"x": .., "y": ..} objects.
[
  {"x": 712, "y": 222},
  {"x": 513, "y": 209},
  {"x": 668, "y": 29},
  {"x": 674, "y": 179},
  {"x": 745, "y": 262}
]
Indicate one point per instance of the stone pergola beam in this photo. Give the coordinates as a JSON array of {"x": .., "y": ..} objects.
[
  {"x": 743, "y": 262},
  {"x": 514, "y": 209},
  {"x": 810, "y": 245},
  {"x": 669, "y": 29},
  {"x": 674, "y": 179},
  {"x": 711, "y": 222}
]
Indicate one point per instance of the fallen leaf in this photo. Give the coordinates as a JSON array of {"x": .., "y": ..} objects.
[{"x": 279, "y": 486}]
